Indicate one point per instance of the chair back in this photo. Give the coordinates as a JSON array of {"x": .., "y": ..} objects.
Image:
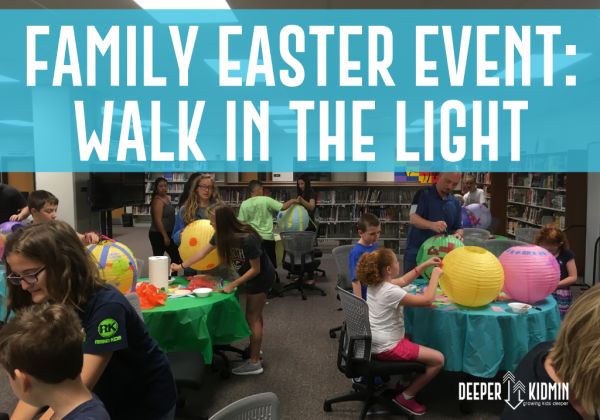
[
  {"x": 298, "y": 248},
  {"x": 475, "y": 236},
  {"x": 134, "y": 300},
  {"x": 263, "y": 406},
  {"x": 526, "y": 234},
  {"x": 357, "y": 345},
  {"x": 498, "y": 246},
  {"x": 341, "y": 254}
]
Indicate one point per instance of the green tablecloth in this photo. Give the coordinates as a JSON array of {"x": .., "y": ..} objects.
[
  {"x": 196, "y": 324},
  {"x": 501, "y": 237},
  {"x": 484, "y": 340}
]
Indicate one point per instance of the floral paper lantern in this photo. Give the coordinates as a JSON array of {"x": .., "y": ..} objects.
[
  {"x": 194, "y": 237},
  {"x": 7, "y": 228},
  {"x": 466, "y": 217},
  {"x": 479, "y": 216},
  {"x": 437, "y": 246},
  {"x": 472, "y": 276},
  {"x": 531, "y": 273},
  {"x": 294, "y": 219},
  {"x": 116, "y": 263}
]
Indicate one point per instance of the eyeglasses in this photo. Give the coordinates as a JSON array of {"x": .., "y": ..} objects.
[
  {"x": 31, "y": 278},
  {"x": 204, "y": 187}
]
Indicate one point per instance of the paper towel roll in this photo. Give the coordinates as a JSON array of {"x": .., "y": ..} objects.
[{"x": 158, "y": 271}]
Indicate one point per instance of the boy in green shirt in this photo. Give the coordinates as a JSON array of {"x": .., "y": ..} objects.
[{"x": 258, "y": 212}]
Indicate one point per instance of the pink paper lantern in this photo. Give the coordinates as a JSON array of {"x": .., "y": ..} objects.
[{"x": 530, "y": 273}]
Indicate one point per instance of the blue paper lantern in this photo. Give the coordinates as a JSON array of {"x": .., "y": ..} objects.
[{"x": 294, "y": 219}]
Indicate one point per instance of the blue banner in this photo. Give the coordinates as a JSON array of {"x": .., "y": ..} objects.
[{"x": 340, "y": 91}]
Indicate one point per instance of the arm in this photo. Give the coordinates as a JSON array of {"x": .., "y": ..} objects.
[
  {"x": 242, "y": 213},
  {"x": 22, "y": 215},
  {"x": 88, "y": 237},
  {"x": 253, "y": 271},
  {"x": 421, "y": 223},
  {"x": 482, "y": 197},
  {"x": 24, "y": 411},
  {"x": 572, "y": 277},
  {"x": 426, "y": 299},
  {"x": 194, "y": 258},
  {"x": 309, "y": 205},
  {"x": 289, "y": 204},
  {"x": 157, "y": 214},
  {"x": 356, "y": 289},
  {"x": 409, "y": 277}
]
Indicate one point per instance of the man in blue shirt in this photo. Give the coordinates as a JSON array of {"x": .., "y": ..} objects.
[{"x": 434, "y": 210}]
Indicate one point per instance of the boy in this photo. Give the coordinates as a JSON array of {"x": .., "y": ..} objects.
[
  {"x": 369, "y": 230},
  {"x": 41, "y": 349},
  {"x": 258, "y": 211},
  {"x": 473, "y": 195},
  {"x": 43, "y": 206}
]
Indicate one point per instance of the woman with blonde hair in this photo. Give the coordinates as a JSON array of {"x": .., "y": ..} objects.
[
  {"x": 573, "y": 359},
  {"x": 203, "y": 193}
]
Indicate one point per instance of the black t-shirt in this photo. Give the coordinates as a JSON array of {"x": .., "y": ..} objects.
[
  {"x": 249, "y": 248},
  {"x": 11, "y": 201},
  {"x": 531, "y": 369},
  {"x": 89, "y": 410},
  {"x": 308, "y": 195},
  {"x": 137, "y": 382},
  {"x": 563, "y": 258}
]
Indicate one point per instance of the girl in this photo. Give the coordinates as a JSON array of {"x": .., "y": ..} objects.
[
  {"x": 379, "y": 271},
  {"x": 122, "y": 365},
  {"x": 163, "y": 220},
  {"x": 554, "y": 241},
  {"x": 307, "y": 198},
  {"x": 203, "y": 194},
  {"x": 239, "y": 245}
]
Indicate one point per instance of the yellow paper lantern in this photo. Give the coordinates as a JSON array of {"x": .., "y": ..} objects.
[
  {"x": 116, "y": 263},
  {"x": 472, "y": 276},
  {"x": 194, "y": 237}
]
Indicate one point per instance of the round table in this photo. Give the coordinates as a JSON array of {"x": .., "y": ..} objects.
[
  {"x": 481, "y": 341},
  {"x": 197, "y": 324}
]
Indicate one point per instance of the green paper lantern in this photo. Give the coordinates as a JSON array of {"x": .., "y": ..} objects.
[{"x": 437, "y": 246}]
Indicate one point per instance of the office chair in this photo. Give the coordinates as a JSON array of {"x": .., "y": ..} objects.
[
  {"x": 341, "y": 255},
  {"x": 188, "y": 367},
  {"x": 498, "y": 246},
  {"x": 526, "y": 234},
  {"x": 263, "y": 406},
  {"x": 316, "y": 251},
  {"x": 354, "y": 357},
  {"x": 299, "y": 260},
  {"x": 475, "y": 236}
]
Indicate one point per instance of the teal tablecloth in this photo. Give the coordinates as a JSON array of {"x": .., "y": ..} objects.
[
  {"x": 196, "y": 324},
  {"x": 481, "y": 341}
]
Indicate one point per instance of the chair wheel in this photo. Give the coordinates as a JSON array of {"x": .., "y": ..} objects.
[
  {"x": 332, "y": 334},
  {"x": 326, "y": 406},
  {"x": 225, "y": 374},
  {"x": 303, "y": 297},
  {"x": 323, "y": 294}
]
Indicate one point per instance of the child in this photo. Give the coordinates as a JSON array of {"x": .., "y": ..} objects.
[
  {"x": 43, "y": 206},
  {"x": 379, "y": 270},
  {"x": 123, "y": 366},
  {"x": 554, "y": 241},
  {"x": 238, "y": 244},
  {"x": 369, "y": 230},
  {"x": 473, "y": 195},
  {"x": 41, "y": 349}
]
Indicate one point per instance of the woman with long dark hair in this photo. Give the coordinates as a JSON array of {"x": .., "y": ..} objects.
[
  {"x": 307, "y": 198},
  {"x": 240, "y": 246},
  {"x": 163, "y": 221},
  {"x": 122, "y": 364}
]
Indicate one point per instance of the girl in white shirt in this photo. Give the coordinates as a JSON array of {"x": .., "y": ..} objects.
[{"x": 379, "y": 270}]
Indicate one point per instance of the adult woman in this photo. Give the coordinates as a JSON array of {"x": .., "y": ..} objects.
[
  {"x": 122, "y": 365},
  {"x": 203, "y": 193},
  {"x": 163, "y": 221},
  {"x": 307, "y": 198},
  {"x": 573, "y": 359},
  {"x": 239, "y": 245}
]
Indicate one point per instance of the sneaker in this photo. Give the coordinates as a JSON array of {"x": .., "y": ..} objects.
[
  {"x": 410, "y": 406},
  {"x": 248, "y": 368},
  {"x": 362, "y": 380}
]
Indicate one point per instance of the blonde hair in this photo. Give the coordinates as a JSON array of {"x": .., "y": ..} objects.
[
  {"x": 371, "y": 266},
  {"x": 576, "y": 352},
  {"x": 192, "y": 204}
]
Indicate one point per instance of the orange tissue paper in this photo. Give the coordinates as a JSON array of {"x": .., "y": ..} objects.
[{"x": 150, "y": 296}]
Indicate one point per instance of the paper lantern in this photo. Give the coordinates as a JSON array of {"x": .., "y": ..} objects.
[
  {"x": 294, "y": 219},
  {"x": 479, "y": 215},
  {"x": 2, "y": 243},
  {"x": 531, "y": 273},
  {"x": 466, "y": 217},
  {"x": 472, "y": 276},
  {"x": 194, "y": 237},
  {"x": 437, "y": 246},
  {"x": 7, "y": 228},
  {"x": 116, "y": 263}
]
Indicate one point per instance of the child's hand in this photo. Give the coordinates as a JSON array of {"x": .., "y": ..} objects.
[
  {"x": 435, "y": 261},
  {"x": 437, "y": 271}
]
